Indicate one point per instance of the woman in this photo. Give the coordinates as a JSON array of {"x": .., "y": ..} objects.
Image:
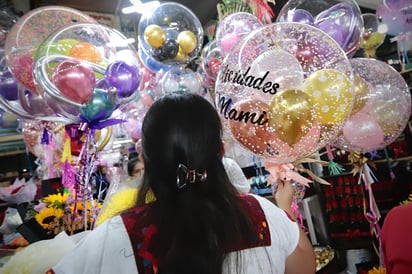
[{"x": 198, "y": 223}]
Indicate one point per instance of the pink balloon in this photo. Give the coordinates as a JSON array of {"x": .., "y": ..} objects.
[
  {"x": 146, "y": 100},
  {"x": 228, "y": 41},
  {"x": 363, "y": 131},
  {"x": 75, "y": 80}
]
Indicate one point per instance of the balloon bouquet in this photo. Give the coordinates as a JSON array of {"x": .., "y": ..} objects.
[
  {"x": 380, "y": 114},
  {"x": 80, "y": 72},
  {"x": 285, "y": 91}
]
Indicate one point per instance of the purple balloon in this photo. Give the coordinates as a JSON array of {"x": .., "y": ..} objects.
[
  {"x": 8, "y": 86},
  {"x": 300, "y": 16},
  {"x": 103, "y": 84},
  {"x": 124, "y": 77},
  {"x": 333, "y": 29}
]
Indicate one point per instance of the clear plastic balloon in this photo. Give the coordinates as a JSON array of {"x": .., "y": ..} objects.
[
  {"x": 211, "y": 59},
  {"x": 29, "y": 31},
  {"x": 383, "y": 107},
  {"x": 233, "y": 27},
  {"x": 170, "y": 34},
  {"x": 79, "y": 63},
  {"x": 181, "y": 79},
  {"x": 373, "y": 34},
  {"x": 395, "y": 15},
  {"x": 342, "y": 20},
  {"x": 266, "y": 113}
]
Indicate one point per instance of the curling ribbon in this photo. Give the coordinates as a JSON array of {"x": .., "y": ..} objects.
[
  {"x": 373, "y": 216},
  {"x": 67, "y": 153},
  {"x": 45, "y": 137},
  {"x": 284, "y": 172},
  {"x": 358, "y": 160},
  {"x": 262, "y": 10},
  {"x": 333, "y": 167}
]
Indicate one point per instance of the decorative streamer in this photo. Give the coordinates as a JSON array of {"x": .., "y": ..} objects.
[{"x": 333, "y": 167}]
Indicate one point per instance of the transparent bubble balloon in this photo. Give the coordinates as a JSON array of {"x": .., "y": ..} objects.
[
  {"x": 29, "y": 32},
  {"x": 171, "y": 33},
  {"x": 373, "y": 34},
  {"x": 181, "y": 79},
  {"x": 76, "y": 60},
  {"x": 342, "y": 20},
  {"x": 381, "y": 110},
  {"x": 233, "y": 27},
  {"x": 285, "y": 91},
  {"x": 395, "y": 15}
]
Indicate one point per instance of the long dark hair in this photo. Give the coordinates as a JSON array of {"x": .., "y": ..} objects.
[{"x": 196, "y": 224}]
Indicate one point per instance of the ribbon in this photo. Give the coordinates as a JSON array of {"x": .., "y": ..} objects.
[
  {"x": 45, "y": 137},
  {"x": 100, "y": 124},
  {"x": 284, "y": 172},
  {"x": 358, "y": 160},
  {"x": 333, "y": 167},
  {"x": 373, "y": 215},
  {"x": 67, "y": 153}
]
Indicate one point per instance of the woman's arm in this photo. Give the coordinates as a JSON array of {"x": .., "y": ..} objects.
[{"x": 302, "y": 260}]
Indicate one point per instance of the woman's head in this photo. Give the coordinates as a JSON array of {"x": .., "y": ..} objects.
[
  {"x": 135, "y": 167},
  {"x": 179, "y": 129}
]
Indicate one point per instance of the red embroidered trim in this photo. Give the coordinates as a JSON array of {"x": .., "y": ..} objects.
[{"x": 139, "y": 226}]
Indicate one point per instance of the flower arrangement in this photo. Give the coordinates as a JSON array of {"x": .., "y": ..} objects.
[{"x": 62, "y": 212}]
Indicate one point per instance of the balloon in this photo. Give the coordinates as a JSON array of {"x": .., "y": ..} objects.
[
  {"x": 124, "y": 77},
  {"x": 75, "y": 80},
  {"x": 233, "y": 27},
  {"x": 290, "y": 115},
  {"x": 395, "y": 16},
  {"x": 98, "y": 46},
  {"x": 171, "y": 34},
  {"x": 181, "y": 79},
  {"x": 286, "y": 71},
  {"x": 249, "y": 125},
  {"x": 300, "y": 16},
  {"x": 362, "y": 91},
  {"x": 29, "y": 31},
  {"x": 187, "y": 41},
  {"x": 341, "y": 20},
  {"x": 8, "y": 86},
  {"x": 363, "y": 130},
  {"x": 99, "y": 108},
  {"x": 85, "y": 51},
  {"x": 154, "y": 36},
  {"x": 373, "y": 34},
  {"x": 246, "y": 74},
  {"x": 385, "y": 112},
  {"x": 331, "y": 94}
]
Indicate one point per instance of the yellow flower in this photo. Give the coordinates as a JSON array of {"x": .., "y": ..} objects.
[
  {"x": 45, "y": 216},
  {"x": 117, "y": 203},
  {"x": 56, "y": 200},
  {"x": 379, "y": 270}
]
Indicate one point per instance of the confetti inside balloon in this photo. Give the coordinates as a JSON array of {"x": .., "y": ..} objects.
[
  {"x": 384, "y": 112},
  {"x": 287, "y": 123}
]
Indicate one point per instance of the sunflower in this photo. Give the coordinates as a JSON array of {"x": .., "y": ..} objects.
[
  {"x": 56, "y": 200},
  {"x": 45, "y": 216},
  {"x": 375, "y": 270}
]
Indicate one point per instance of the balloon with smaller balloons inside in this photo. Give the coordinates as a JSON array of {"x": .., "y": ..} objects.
[
  {"x": 170, "y": 34},
  {"x": 381, "y": 110}
]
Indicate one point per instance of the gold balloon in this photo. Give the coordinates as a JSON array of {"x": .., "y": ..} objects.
[
  {"x": 154, "y": 36},
  {"x": 187, "y": 41},
  {"x": 362, "y": 92},
  {"x": 290, "y": 115},
  {"x": 181, "y": 55},
  {"x": 331, "y": 94},
  {"x": 100, "y": 140}
]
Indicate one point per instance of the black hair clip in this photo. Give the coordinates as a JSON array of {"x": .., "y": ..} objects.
[{"x": 187, "y": 176}]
